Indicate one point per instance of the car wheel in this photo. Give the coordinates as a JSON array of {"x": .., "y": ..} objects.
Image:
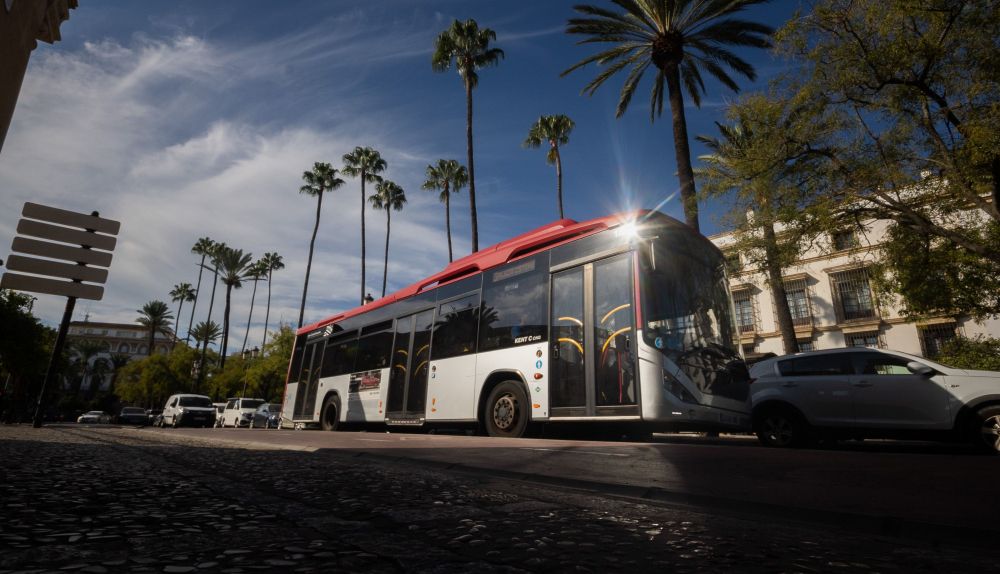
[
  {"x": 781, "y": 428},
  {"x": 987, "y": 431},
  {"x": 173, "y": 422},
  {"x": 251, "y": 424},
  {"x": 507, "y": 411},
  {"x": 330, "y": 417}
]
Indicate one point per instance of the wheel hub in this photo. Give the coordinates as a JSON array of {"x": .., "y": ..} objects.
[
  {"x": 503, "y": 412},
  {"x": 991, "y": 432}
]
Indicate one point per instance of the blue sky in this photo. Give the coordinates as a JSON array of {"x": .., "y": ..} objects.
[{"x": 189, "y": 118}]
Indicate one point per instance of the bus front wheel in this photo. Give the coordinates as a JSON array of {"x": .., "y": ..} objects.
[
  {"x": 507, "y": 410},
  {"x": 330, "y": 416}
]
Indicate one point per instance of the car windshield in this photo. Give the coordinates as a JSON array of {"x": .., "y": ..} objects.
[
  {"x": 195, "y": 402},
  {"x": 250, "y": 403},
  {"x": 133, "y": 411},
  {"x": 95, "y": 413}
]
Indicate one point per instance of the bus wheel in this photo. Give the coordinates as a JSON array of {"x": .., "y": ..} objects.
[
  {"x": 330, "y": 416},
  {"x": 507, "y": 411}
]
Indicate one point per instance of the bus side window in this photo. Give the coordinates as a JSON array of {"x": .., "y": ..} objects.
[
  {"x": 340, "y": 354},
  {"x": 455, "y": 328},
  {"x": 514, "y": 310},
  {"x": 374, "y": 347}
]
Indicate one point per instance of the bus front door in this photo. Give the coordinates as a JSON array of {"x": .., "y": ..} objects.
[
  {"x": 305, "y": 397},
  {"x": 592, "y": 366},
  {"x": 407, "y": 400}
]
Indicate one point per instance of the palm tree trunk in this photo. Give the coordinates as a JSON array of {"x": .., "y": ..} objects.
[
  {"x": 211, "y": 304},
  {"x": 363, "y": 174},
  {"x": 682, "y": 152},
  {"x": 253, "y": 296},
  {"x": 559, "y": 180},
  {"x": 784, "y": 315},
  {"x": 194, "y": 305},
  {"x": 472, "y": 167},
  {"x": 152, "y": 335},
  {"x": 267, "y": 314},
  {"x": 385, "y": 266},
  {"x": 180, "y": 306},
  {"x": 447, "y": 219},
  {"x": 309, "y": 262},
  {"x": 225, "y": 328}
]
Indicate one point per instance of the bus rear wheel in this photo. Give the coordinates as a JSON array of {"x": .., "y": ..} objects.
[
  {"x": 330, "y": 415},
  {"x": 507, "y": 411}
]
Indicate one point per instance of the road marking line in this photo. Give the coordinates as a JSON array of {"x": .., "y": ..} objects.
[{"x": 580, "y": 451}]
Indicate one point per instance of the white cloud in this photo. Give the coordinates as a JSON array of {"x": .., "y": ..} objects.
[{"x": 121, "y": 129}]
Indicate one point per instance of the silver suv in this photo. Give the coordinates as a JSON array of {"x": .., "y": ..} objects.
[{"x": 862, "y": 392}]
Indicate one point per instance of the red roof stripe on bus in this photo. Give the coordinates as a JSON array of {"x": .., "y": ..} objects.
[{"x": 489, "y": 257}]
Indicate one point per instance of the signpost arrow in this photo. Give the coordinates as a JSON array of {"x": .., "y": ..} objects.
[{"x": 52, "y": 234}]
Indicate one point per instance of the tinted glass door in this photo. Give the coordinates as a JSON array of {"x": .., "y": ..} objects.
[
  {"x": 592, "y": 368},
  {"x": 305, "y": 397},
  {"x": 408, "y": 378}
]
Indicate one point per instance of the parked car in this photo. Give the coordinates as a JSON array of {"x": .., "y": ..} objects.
[
  {"x": 239, "y": 412},
  {"x": 267, "y": 416},
  {"x": 132, "y": 416},
  {"x": 94, "y": 417},
  {"x": 154, "y": 416},
  {"x": 862, "y": 392},
  {"x": 188, "y": 410}
]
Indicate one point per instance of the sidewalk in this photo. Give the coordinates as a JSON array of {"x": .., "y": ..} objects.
[{"x": 110, "y": 500}]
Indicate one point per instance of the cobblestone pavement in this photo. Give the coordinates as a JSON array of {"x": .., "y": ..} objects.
[{"x": 109, "y": 500}]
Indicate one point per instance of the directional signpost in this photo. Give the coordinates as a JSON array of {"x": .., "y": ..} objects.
[{"x": 48, "y": 237}]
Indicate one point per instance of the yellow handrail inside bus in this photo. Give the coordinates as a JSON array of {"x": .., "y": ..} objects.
[
  {"x": 401, "y": 367},
  {"x": 402, "y": 351},
  {"x": 572, "y": 342},
  {"x": 615, "y": 310},
  {"x": 612, "y": 338},
  {"x": 420, "y": 366},
  {"x": 573, "y": 319},
  {"x": 422, "y": 349}
]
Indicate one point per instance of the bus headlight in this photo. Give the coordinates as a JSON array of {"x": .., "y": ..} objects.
[{"x": 675, "y": 388}]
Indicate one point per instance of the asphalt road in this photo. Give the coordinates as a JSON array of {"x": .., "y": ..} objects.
[{"x": 921, "y": 490}]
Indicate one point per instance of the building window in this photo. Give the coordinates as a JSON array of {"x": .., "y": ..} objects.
[
  {"x": 743, "y": 301},
  {"x": 733, "y": 264},
  {"x": 844, "y": 240},
  {"x": 798, "y": 302},
  {"x": 933, "y": 337},
  {"x": 806, "y": 345},
  {"x": 749, "y": 349},
  {"x": 123, "y": 348},
  {"x": 866, "y": 339},
  {"x": 852, "y": 295}
]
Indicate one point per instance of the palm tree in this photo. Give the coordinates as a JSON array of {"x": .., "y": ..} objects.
[
  {"x": 206, "y": 332},
  {"x": 216, "y": 249},
  {"x": 272, "y": 262},
  {"x": 233, "y": 265},
  {"x": 681, "y": 39},
  {"x": 388, "y": 196},
  {"x": 117, "y": 361},
  {"x": 449, "y": 176},
  {"x": 555, "y": 130},
  {"x": 256, "y": 272},
  {"x": 321, "y": 179},
  {"x": 182, "y": 292},
  {"x": 468, "y": 47},
  {"x": 202, "y": 247},
  {"x": 86, "y": 350},
  {"x": 365, "y": 164},
  {"x": 155, "y": 316}
]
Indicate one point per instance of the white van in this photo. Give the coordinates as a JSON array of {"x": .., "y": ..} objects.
[
  {"x": 188, "y": 410},
  {"x": 239, "y": 412}
]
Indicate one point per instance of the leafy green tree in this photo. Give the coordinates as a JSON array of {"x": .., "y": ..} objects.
[
  {"x": 25, "y": 348},
  {"x": 321, "y": 179},
  {"x": 387, "y": 196},
  {"x": 85, "y": 353},
  {"x": 762, "y": 165},
  {"x": 116, "y": 361},
  {"x": 149, "y": 381},
  {"x": 680, "y": 39},
  {"x": 256, "y": 272},
  {"x": 156, "y": 317},
  {"x": 921, "y": 81},
  {"x": 555, "y": 131},
  {"x": 273, "y": 262},
  {"x": 233, "y": 265},
  {"x": 467, "y": 47},
  {"x": 447, "y": 176},
  {"x": 266, "y": 375},
  {"x": 179, "y": 294},
  {"x": 202, "y": 247},
  {"x": 979, "y": 353},
  {"x": 365, "y": 164}
]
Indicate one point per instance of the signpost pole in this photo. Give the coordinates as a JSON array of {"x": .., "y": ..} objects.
[{"x": 50, "y": 373}]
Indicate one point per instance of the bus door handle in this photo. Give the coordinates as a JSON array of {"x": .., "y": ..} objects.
[{"x": 555, "y": 351}]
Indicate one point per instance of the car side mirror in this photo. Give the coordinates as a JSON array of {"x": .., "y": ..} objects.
[{"x": 920, "y": 369}]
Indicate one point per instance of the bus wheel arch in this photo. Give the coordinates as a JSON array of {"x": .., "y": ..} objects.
[
  {"x": 329, "y": 415},
  {"x": 504, "y": 405}
]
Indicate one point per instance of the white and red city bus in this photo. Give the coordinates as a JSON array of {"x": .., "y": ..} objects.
[{"x": 625, "y": 319}]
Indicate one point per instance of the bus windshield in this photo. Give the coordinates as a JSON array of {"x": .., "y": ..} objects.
[{"x": 687, "y": 314}]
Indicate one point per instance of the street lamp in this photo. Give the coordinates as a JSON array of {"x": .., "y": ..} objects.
[{"x": 248, "y": 355}]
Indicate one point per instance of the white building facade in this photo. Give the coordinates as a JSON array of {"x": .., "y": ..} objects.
[{"x": 833, "y": 302}]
